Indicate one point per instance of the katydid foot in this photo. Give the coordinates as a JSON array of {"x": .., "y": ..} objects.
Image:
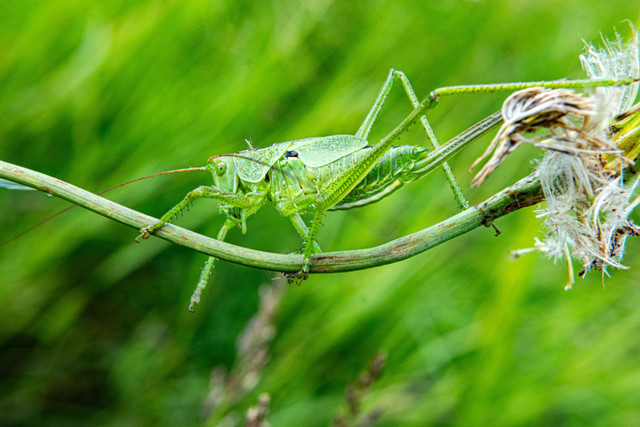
[
  {"x": 147, "y": 231},
  {"x": 303, "y": 274},
  {"x": 298, "y": 277}
]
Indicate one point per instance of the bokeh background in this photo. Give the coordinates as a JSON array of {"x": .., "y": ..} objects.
[{"x": 95, "y": 329}]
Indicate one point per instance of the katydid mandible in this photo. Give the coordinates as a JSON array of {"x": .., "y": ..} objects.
[{"x": 337, "y": 172}]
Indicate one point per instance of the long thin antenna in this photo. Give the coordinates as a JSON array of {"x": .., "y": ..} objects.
[
  {"x": 201, "y": 168},
  {"x": 239, "y": 156},
  {"x": 49, "y": 218}
]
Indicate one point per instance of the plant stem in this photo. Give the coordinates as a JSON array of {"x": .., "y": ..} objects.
[{"x": 525, "y": 192}]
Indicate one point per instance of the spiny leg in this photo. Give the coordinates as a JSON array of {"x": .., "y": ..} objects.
[
  {"x": 303, "y": 230},
  {"x": 366, "y": 126},
  {"x": 239, "y": 201},
  {"x": 308, "y": 247},
  {"x": 455, "y": 187},
  {"x": 431, "y": 136},
  {"x": 341, "y": 184},
  {"x": 208, "y": 266},
  {"x": 368, "y": 122},
  {"x": 345, "y": 180},
  {"x": 432, "y": 99},
  {"x": 230, "y": 199}
]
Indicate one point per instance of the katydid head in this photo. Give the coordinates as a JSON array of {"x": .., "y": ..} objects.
[
  {"x": 224, "y": 173},
  {"x": 231, "y": 170}
]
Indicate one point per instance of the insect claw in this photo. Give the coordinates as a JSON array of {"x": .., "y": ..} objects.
[
  {"x": 289, "y": 278},
  {"x": 144, "y": 234},
  {"x": 300, "y": 277},
  {"x": 495, "y": 228},
  {"x": 195, "y": 299}
]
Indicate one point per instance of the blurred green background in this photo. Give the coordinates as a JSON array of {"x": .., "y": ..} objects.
[{"x": 95, "y": 329}]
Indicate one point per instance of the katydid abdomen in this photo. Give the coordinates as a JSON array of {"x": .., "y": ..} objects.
[{"x": 394, "y": 169}]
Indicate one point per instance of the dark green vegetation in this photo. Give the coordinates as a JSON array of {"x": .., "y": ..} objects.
[{"x": 96, "y": 328}]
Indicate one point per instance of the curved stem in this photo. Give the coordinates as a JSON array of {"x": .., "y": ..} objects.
[{"x": 525, "y": 192}]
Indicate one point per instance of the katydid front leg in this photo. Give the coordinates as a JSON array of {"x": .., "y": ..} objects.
[
  {"x": 242, "y": 202},
  {"x": 229, "y": 199}
]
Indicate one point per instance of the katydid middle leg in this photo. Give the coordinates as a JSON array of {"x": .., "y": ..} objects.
[
  {"x": 308, "y": 248},
  {"x": 303, "y": 230},
  {"x": 208, "y": 266}
]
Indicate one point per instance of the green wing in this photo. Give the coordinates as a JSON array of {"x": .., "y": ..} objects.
[
  {"x": 317, "y": 152},
  {"x": 254, "y": 164}
]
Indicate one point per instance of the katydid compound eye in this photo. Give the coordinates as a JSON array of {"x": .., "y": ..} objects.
[{"x": 221, "y": 168}]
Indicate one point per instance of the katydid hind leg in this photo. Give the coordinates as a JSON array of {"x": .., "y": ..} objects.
[
  {"x": 432, "y": 99},
  {"x": 433, "y": 140},
  {"x": 336, "y": 188},
  {"x": 366, "y": 126},
  {"x": 343, "y": 182}
]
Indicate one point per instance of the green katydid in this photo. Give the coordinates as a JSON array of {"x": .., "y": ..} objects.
[{"x": 336, "y": 172}]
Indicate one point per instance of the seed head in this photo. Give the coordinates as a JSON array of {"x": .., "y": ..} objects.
[{"x": 587, "y": 141}]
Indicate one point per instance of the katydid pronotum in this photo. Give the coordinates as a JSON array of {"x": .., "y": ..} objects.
[{"x": 315, "y": 175}]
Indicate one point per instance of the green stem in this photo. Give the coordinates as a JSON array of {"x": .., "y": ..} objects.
[{"x": 525, "y": 192}]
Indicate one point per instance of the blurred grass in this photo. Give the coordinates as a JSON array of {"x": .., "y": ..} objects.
[{"x": 95, "y": 329}]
